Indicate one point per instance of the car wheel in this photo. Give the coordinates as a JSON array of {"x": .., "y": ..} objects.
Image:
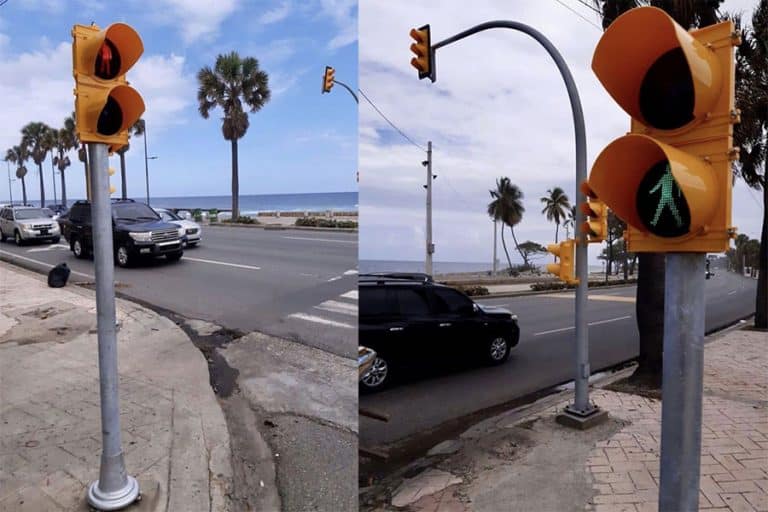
[
  {"x": 123, "y": 256},
  {"x": 174, "y": 256},
  {"x": 497, "y": 350},
  {"x": 378, "y": 376},
  {"x": 78, "y": 249},
  {"x": 17, "y": 238}
]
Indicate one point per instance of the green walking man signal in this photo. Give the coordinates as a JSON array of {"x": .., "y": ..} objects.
[{"x": 668, "y": 185}]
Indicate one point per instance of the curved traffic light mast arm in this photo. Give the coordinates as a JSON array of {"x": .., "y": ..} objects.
[
  {"x": 581, "y": 406},
  {"x": 347, "y": 88}
]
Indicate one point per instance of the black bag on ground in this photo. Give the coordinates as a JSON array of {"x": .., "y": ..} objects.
[{"x": 57, "y": 277}]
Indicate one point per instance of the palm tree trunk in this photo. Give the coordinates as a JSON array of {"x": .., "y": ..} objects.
[
  {"x": 24, "y": 190},
  {"x": 517, "y": 246},
  {"x": 761, "y": 301},
  {"x": 42, "y": 185},
  {"x": 123, "y": 180},
  {"x": 504, "y": 244},
  {"x": 235, "y": 184},
  {"x": 53, "y": 175},
  {"x": 63, "y": 189}
]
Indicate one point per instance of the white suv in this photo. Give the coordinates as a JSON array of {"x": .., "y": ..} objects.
[
  {"x": 28, "y": 223},
  {"x": 193, "y": 235}
]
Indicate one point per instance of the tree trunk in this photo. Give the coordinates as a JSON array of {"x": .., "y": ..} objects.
[
  {"x": 42, "y": 185},
  {"x": 517, "y": 246},
  {"x": 626, "y": 266},
  {"x": 632, "y": 265},
  {"x": 761, "y": 301},
  {"x": 53, "y": 176},
  {"x": 650, "y": 315},
  {"x": 63, "y": 189},
  {"x": 504, "y": 244},
  {"x": 554, "y": 258},
  {"x": 123, "y": 180},
  {"x": 235, "y": 184},
  {"x": 24, "y": 190}
]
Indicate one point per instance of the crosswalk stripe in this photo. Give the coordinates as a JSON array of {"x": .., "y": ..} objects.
[
  {"x": 333, "y": 306},
  {"x": 350, "y": 272},
  {"x": 320, "y": 320},
  {"x": 352, "y": 294}
]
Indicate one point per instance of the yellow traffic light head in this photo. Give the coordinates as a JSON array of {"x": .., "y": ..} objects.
[
  {"x": 565, "y": 269},
  {"x": 656, "y": 70},
  {"x": 596, "y": 211},
  {"x": 105, "y": 105},
  {"x": 424, "y": 60},
  {"x": 328, "y": 78}
]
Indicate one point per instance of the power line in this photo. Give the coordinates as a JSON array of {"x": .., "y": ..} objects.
[
  {"x": 591, "y": 7},
  {"x": 577, "y": 13},
  {"x": 390, "y": 122}
]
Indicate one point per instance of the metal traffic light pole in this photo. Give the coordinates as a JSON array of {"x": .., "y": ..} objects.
[
  {"x": 114, "y": 489},
  {"x": 348, "y": 89},
  {"x": 430, "y": 247},
  {"x": 581, "y": 414}
]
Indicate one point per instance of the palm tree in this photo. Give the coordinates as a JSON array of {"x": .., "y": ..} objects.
[
  {"x": 556, "y": 204},
  {"x": 507, "y": 207},
  {"x": 17, "y": 155},
  {"x": 750, "y": 133},
  {"x": 232, "y": 82},
  {"x": 650, "y": 281},
  {"x": 67, "y": 141},
  {"x": 35, "y": 137},
  {"x": 136, "y": 129},
  {"x": 569, "y": 222}
]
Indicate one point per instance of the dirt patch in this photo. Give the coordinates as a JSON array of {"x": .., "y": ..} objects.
[
  {"x": 54, "y": 322},
  {"x": 642, "y": 385}
]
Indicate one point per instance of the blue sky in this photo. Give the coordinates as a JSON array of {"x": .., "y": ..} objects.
[{"x": 301, "y": 141}]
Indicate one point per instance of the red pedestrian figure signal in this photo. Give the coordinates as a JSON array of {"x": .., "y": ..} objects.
[{"x": 105, "y": 58}]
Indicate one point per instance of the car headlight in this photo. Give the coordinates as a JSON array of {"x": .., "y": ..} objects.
[
  {"x": 27, "y": 229},
  {"x": 182, "y": 232},
  {"x": 54, "y": 227},
  {"x": 144, "y": 236}
]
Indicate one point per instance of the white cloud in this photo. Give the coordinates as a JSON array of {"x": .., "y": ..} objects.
[
  {"x": 342, "y": 12},
  {"x": 199, "y": 19},
  {"x": 166, "y": 89},
  {"x": 276, "y": 14},
  {"x": 499, "y": 107}
]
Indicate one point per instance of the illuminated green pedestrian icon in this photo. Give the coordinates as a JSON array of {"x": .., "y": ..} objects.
[{"x": 668, "y": 186}]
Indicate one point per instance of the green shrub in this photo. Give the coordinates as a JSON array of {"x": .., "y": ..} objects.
[
  {"x": 316, "y": 222},
  {"x": 558, "y": 285},
  {"x": 242, "y": 220},
  {"x": 213, "y": 215},
  {"x": 473, "y": 291}
]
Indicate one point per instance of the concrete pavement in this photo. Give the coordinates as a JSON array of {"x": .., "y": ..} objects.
[
  {"x": 175, "y": 438},
  {"x": 523, "y": 460}
]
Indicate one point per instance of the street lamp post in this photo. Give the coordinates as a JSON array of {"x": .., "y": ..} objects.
[{"x": 146, "y": 158}]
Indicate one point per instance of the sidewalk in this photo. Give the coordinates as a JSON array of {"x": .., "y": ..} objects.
[
  {"x": 523, "y": 460},
  {"x": 174, "y": 434}
]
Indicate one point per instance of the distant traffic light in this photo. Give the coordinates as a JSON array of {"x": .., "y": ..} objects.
[
  {"x": 596, "y": 211},
  {"x": 565, "y": 268},
  {"x": 424, "y": 60},
  {"x": 111, "y": 172},
  {"x": 670, "y": 178},
  {"x": 105, "y": 105},
  {"x": 328, "y": 78}
]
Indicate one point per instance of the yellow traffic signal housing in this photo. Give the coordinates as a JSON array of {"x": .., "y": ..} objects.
[
  {"x": 105, "y": 105},
  {"x": 424, "y": 61},
  {"x": 670, "y": 178},
  {"x": 596, "y": 211},
  {"x": 328, "y": 78},
  {"x": 565, "y": 269}
]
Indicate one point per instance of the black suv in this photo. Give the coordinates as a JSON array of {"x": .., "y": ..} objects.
[
  {"x": 410, "y": 321},
  {"x": 137, "y": 231}
]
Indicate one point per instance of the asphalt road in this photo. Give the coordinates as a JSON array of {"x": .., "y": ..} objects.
[
  {"x": 300, "y": 285},
  {"x": 543, "y": 358}
]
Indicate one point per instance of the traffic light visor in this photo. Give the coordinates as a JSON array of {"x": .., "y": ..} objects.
[
  {"x": 655, "y": 70},
  {"x": 121, "y": 108},
  {"x": 126, "y": 48},
  {"x": 654, "y": 187}
]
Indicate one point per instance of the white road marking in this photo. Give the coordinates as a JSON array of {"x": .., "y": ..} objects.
[
  {"x": 320, "y": 320},
  {"x": 352, "y": 294},
  {"x": 47, "y": 265},
  {"x": 599, "y": 322},
  {"x": 350, "y": 272},
  {"x": 732, "y": 292},
  {"x": 224, "y": 263},
  {"x": 343, "y": 308},
  {"x": 321, "y": 239},
  {"x": 49, "y": 248},
  {"x": 334, "y": 279}
]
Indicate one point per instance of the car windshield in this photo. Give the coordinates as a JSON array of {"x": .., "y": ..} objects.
[
  {"x": 133, "y": 211},
  {"x": 31, "y": 213},
  {"x": 48, "y": 212},
  {"x": 169, "y": 216}
]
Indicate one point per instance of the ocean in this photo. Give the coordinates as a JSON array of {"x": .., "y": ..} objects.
[{"x": 254, "y": 203}]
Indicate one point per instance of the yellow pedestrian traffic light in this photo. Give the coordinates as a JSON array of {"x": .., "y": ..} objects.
[
  {"x": 328, "y": 78},
  {"x": 424, "y": 60},
  {"x": 670, "y": 178},
  {"x": 105, "y": 105},
  {"x": 596, "y": 211},
  {"x": 565, "y": 269}
]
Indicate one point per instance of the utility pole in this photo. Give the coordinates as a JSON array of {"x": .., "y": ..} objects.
[
  {"x": 495, "y": 230},
  {"x": 114, "y": 489},
  {"x": 146, "y": 159},
  {"x": 430, "y": 246}
]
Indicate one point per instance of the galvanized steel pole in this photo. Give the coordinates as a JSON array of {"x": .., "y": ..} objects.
[
  {"x": 114, "y": 489},
  {"x": 682, "y": 382},
  {"x": 430, "y": 247}
]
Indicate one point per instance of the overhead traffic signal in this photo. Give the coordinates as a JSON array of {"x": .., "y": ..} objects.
[
  {"x": 105, "y": 105},
  {"x": 596, "y": 211},
  {"x": 670, "y": 178},
  {"x": 424, "y": 61},
  {"x": 565, "y": 269},
  {"x": 328, "y": 78}
]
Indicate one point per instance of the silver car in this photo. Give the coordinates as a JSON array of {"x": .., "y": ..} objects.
[
  {"x": 28, "y": 223},
  {"x": 193, "y": 234}
]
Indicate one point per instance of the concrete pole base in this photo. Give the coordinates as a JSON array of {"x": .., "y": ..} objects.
[
  {"x": 115, "y": 500},
  {"x": 582, "y": 420}
]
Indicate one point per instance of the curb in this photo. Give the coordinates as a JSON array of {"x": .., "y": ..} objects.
[{"x": 278, "y": 227}]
